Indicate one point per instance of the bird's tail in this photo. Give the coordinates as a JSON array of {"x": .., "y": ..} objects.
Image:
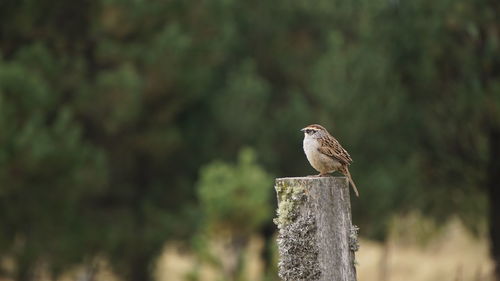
[{"x": 344, "y": 170}]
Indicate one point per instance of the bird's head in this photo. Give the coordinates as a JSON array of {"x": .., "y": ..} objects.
[{"x": 314, "y": 130}]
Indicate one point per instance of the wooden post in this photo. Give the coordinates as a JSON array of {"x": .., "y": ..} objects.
[{"x": 316, "y": 238}]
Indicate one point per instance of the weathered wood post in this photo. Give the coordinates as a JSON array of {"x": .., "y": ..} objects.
[{"x": 316, "y": 238}]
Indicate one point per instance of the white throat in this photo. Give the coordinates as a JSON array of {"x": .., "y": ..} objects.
[{"x": 310, "y": 145}]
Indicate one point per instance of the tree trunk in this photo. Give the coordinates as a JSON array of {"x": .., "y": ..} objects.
[
  {"x": 316, "y": 238},
  {"x": 384, "y": 262},
  {"x": 494, "y": 196},
  {"x": 140, "y": 268}
]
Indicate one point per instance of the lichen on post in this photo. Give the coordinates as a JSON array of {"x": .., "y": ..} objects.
[{"x": 316, "y": 237}]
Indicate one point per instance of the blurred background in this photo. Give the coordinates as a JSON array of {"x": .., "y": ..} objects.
[{"x": 140, "y": 139}]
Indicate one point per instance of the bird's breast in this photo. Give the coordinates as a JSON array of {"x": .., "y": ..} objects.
[
  {"x": 310, "y": 147},
  {"x": 318, "y": 160}
]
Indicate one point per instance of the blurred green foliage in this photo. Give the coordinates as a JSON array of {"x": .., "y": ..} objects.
[
  {"x": 234, "y": 203},
  {"x": 235, "y": 197},
  {"x": 109, "y": 108}
]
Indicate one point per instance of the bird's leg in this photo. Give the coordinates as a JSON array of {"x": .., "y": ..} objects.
[{"x": 323, "y": 175}]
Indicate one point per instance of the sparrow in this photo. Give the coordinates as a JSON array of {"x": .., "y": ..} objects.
[{"x": 325, "y": 154}]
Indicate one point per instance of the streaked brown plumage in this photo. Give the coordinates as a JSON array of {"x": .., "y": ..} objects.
[{"x": 325, "y": 154}]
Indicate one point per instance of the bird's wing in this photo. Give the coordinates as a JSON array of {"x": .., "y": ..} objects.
[{"x": 331, "y": 147}]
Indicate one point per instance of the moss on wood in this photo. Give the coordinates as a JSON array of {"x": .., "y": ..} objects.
[
  {"x": 289, "y": 199},
  {"x": 297, "y": 234}
]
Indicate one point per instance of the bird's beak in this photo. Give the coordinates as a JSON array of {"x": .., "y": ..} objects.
[{"x": 303, "y": 129}]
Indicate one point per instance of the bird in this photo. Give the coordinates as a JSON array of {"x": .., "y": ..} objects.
[{"x": 325, "y": 154}]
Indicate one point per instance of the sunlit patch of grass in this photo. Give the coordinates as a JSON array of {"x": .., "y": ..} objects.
[{"x": 452, "y": 254}]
